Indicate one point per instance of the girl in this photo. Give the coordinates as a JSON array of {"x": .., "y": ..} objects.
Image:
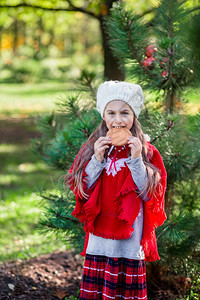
[{"x": 119, "y": 198}]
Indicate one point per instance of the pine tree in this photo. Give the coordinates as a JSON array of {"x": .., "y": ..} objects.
[{"x": 160, "y": 56}]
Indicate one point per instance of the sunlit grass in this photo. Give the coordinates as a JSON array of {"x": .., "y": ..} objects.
[
  {"x": 23, "y": 175},
  {"x": 19, "y": 233},
  {"x": 192, "y": 106},
  {"x": 30, "y": 98},
  {"x": 7, "y": 148},
  {"x": 193, "y": 96},
  {"x": 22, "y": 179}
]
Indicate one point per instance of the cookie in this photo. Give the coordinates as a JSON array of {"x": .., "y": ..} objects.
[{"x": 119, "y": 136}]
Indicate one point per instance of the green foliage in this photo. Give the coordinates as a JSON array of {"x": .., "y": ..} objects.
[
  {"x": 171, "y": 65},
  {"x": 40, "y": 34},
  {"x": 178, "y": 145},
  {"x": 73, "y": 297},
  {"x": 128, "y": 37},
  {"x": 27, "y": 69},
  {"x": 65, "y": 133},
  {"x": 194, "y": 290},
  {"x": 191, "y": 34},
  {"x": 187, "y": 194},
  {"x": 57, "y": 219},
  {"x": 19, "y": 71},
  {"x": 179, "y": 238}
]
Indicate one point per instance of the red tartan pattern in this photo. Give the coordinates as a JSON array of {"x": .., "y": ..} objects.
[{"x": 106, "y": 278}]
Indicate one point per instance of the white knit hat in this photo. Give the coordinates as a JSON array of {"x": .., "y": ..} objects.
[{"x": 120, "y": 90}]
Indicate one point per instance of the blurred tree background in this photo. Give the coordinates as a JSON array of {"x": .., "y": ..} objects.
[{"x": 62, "y": 50}]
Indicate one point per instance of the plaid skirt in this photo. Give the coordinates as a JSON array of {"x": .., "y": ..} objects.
[{"x": 113, "y": 278}]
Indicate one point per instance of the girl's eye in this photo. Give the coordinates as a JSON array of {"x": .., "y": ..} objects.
[
  {"x": 124, "y": 113},
  {"x": 111, "y": 113}
]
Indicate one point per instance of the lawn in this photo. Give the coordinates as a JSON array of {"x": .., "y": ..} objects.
[
  {"x": 30, "y": 99},
  {"x": 23, "y": 175}
]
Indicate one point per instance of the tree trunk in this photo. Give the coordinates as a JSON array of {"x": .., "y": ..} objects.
[
  {"x": 171, "y": 100},
  {"x": 40, "y": 31},
  {"x": 111, "y": 64},
  {"x": 24, "y": 33},
  {"x": 15, "y": 38}
]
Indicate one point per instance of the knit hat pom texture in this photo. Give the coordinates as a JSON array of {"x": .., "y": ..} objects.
[{"x": 130, "y": 93}]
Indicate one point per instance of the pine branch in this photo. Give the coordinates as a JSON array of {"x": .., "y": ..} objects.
[
  {"x": 58, "y": 215},
  {"x": 48, "y": 125},
  {"x": 169, "y": 127},
  {"x": 75, "y": 111},
  {"x": 147, "y": 12},
  {"x": 87, "y": 79},
  {"x": 194, "y": 9},
  {"x": 71, "y": 106},
  {"x": 146, "y": 70},
  {"x": 179, "y": 236},
  {"x": 196, "y": 165}
]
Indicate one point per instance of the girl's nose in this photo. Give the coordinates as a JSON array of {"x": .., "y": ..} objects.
[{"x": 118, "y": 119}]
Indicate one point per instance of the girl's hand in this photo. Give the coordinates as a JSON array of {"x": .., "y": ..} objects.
[
  {"x": 135, "y": 145},
  {"x": 100, "y": 146}
]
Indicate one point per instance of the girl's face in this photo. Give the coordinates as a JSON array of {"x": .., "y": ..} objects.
[{"x": 118, "y": 114}]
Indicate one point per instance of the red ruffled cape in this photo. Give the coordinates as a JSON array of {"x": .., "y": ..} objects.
[{"x": 126, "y": 202}]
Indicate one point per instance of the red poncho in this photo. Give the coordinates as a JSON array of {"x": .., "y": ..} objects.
[{"x": 114, "y": 204}]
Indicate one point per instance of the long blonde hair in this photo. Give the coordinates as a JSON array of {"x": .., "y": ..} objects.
[{"x": 86, "y": 152}]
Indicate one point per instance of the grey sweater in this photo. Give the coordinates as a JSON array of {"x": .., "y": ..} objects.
[{"x": 128, "y": 248}]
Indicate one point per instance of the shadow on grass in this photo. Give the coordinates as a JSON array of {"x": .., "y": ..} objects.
[
  {"x": 23, "y": 177},
  {"x": 18, "y": 131}
]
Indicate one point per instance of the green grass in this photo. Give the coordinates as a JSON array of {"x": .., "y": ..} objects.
[
  {"x": 31, "y": 98},
  {"x": 192, "y": 97},
  {"x": 19, "y": 233},
  {"x": 23, "y": 177}
]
